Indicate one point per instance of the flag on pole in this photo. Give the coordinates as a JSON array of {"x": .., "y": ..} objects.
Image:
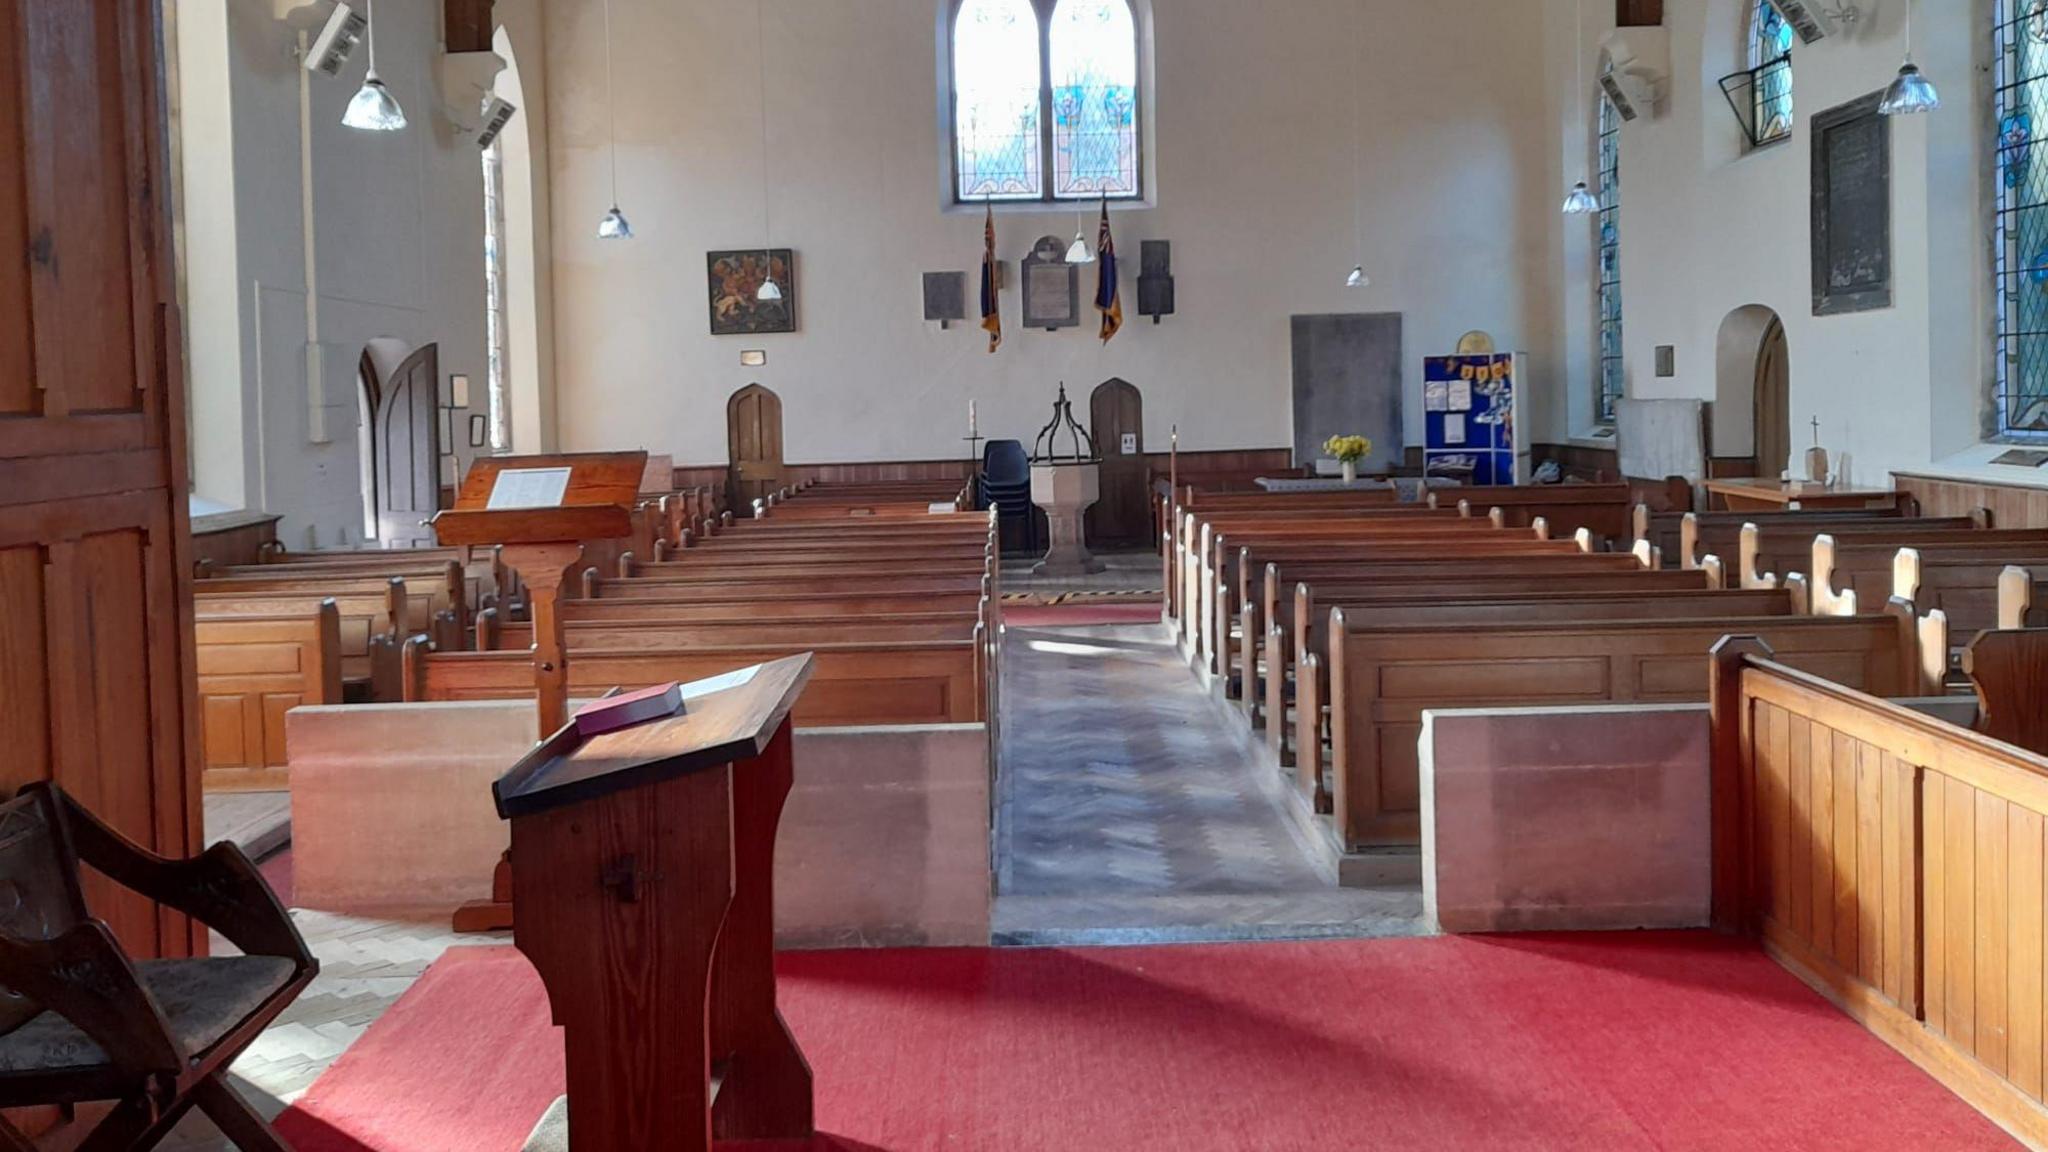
[
  {"x": 991, "y": 314},
  {"x": 1108, "y": 299}
]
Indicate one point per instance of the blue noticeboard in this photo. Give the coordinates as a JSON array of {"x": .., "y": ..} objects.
[{"x": 1469, "y": 418}]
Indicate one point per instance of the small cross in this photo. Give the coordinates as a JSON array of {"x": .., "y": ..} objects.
[{"x": 1816, "y": 431}]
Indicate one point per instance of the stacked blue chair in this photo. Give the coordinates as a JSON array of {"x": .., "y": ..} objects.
[{"x": 1006, "y": 485}]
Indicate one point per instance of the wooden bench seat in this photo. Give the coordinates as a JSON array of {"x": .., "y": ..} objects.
[
  {"x": 428, "y": 608},
  {"x": 807, "y": 583},
  {"x": 1269, "y": 634},
  {"x": 251, "y": 671},
  {"x": 740, "y": 604},
  {"x": 700, "y": 570},
  {"x": 365, "y": 617},
  {"x": 1761, "y": 548},
  {"x": 851, "y": 684},
  {"x": 1605, "y": 510},
  {"x": 1383, "y": 677},
  {"x": 654, "y": 631},
  {"x": 1675, "y": 534}
]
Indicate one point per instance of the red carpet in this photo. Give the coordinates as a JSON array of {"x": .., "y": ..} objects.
[
  {"x": 1070, "y": 615},
  {"x": 1671, "y": 1041}
]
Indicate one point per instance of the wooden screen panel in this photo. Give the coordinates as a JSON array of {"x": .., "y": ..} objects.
[
  {"x": 1984, "y": 882},
  {"x": 1833, "y": 826},
  {"x": 17, "y": 368}
]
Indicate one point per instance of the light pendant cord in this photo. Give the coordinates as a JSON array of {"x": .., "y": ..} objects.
[
  {"x": 767, "y": 215},
  {"x": 370, "y": 18},
  {"x": 611, "y": 104}
]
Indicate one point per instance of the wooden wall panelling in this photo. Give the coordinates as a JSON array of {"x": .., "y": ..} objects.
[
  {"x": 98, "y": 668},
  {"x": 2011, "y": 505},
  {"x": 467, "y": 25}
]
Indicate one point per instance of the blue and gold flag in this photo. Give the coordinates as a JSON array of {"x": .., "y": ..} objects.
[
  {"x": 1108, "y": 298},
  {"x": 991, "y": 314}
]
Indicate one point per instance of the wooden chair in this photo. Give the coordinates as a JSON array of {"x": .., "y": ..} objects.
[{"x": 81, "y": 1021}]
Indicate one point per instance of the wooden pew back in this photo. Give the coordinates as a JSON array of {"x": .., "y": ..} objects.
[{"x": 251, "y": 671}]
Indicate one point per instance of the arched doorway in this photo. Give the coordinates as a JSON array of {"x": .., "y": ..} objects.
[
  {"x": 1122, "y": 516},
  {"x": 367, "y": 391},
  {"x": 1752, "y": 394},
  {"x": 753, "y": 445},
  {"x": 406, "y": 449}
]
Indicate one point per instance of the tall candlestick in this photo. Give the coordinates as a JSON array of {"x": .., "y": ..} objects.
[{"x": 970, "y": 418}]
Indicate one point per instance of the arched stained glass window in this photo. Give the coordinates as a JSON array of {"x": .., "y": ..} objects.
[
  {"x": 1612, "y": 374},
  {"x": 1094, "y": 69},
  {"x": 997, "y": 101},
  {"x": 2020, "y": 92},
  {"x": 1046, "y": 86},
  {"x": 1770, "y": 53}
]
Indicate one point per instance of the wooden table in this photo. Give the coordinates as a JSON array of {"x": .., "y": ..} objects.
[{"x": 1757, "y": 495}]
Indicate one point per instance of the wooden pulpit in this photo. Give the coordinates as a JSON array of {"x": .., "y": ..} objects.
[
  {"x": 644, "y": 860},
  {"x": 542, "y": 509}
]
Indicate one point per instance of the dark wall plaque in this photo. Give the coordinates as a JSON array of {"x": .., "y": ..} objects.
[
  {"x": 1155, "y": 279},
  {"x": 945, "y": 296},
  {"x": 1852, "y": 209}
]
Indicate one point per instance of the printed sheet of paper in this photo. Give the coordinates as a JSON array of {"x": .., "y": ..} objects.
[
  {"x": 1436, "y": 396},
  {"x": 529, "y": 488},
  {"x": 1461, "y": 396},
  {"x": 710, "y": 684},
  {"x": 1454, "y": 428}
]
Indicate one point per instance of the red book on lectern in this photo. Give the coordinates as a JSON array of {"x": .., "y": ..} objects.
[{"x": 629, "y": 708}]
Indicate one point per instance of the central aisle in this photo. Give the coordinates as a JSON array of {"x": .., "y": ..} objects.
[{"x": 1131, "y": 808}]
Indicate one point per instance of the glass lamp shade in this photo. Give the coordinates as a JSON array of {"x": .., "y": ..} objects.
[
  {"x": 1910, "y": 92},
  {"x": 1078, "y": 253},
  {"x": 1358, "y": 278},
  {"x": 614, "y": 226},
  {"x": 374, "y": 108},
  {"x": 769, "y": 292},
  {"x": 1580, "y": 202}
]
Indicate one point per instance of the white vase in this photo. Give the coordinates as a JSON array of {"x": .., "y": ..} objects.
[{"x": 1350, "y": 471}]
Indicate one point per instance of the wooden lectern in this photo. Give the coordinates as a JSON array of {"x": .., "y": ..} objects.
[
  {"x": 542, "y": 509},
  {"x": 645, "y": 863}
]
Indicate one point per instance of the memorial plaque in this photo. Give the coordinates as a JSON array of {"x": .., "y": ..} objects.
[
  {"x": 945, "y": 296},
  {"x": 1852, "y": 209},
  {"x": 1052, "y": 287},
  {"x": 1155, "y": 278}
]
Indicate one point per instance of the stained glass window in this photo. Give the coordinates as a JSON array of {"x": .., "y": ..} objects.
[
  {"x": 1611, "y": 371},
  {"x": 1044, "y": 85},
  {"x": 998, "y": 145},
  {"x": 1770, "y": 54},
  {"x": 1094, "y": 66},
  {"x": 2020, "y": 86}
]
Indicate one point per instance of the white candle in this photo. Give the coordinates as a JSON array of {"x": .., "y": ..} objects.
[{"x": 970, "y": 417}]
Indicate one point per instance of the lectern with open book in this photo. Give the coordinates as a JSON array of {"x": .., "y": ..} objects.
[
  {"x": 644, "y": 859},
  {"x": 542, "y": 509}
]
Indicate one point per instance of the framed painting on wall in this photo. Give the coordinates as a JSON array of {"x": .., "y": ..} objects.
[{"x": 735, "y": 284}]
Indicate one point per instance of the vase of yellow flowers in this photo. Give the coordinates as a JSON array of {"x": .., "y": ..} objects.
[{"x": 1348, "y": 450}]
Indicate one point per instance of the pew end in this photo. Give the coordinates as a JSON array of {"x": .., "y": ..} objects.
[
  {"x": 2009, "y": 669},
  {"x": 2015, "y": 597}
]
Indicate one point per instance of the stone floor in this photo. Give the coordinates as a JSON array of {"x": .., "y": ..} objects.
[
  {"x": 1131, "y": 808},
  {"x": 1122, "y": 572},
  {"x": 261, "y": 822}
]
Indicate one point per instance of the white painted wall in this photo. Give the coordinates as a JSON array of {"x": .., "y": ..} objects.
[
  {"x": 1256, "y": 185},
  {"x": 1708, "y": 229},
  {"x": 397, "y": 252}
]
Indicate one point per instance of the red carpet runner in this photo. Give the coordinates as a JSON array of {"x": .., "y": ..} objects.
[{"x": 1586, "y": 1042}]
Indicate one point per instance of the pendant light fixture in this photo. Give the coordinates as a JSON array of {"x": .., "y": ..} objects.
[
  {"x": 614, "y": 225},
  {"x": 373, "y": 108},
  {"x": 1357, "y": 277},
  {"x": 1910, "y": 92},
  {"x": 1077, "y": 252},
  {"x": 769, "y": 292},
  {"x": 1580, "y": 201}
]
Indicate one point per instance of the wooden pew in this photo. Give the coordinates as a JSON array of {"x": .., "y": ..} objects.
[
  {"x": 661, "y": 632},
  {"x": 364, "y": 616},
  {"x": 1967, "y": 572},
  {"x": 865, "y": 684},
  {"x": 251, "y": 671},
  {"x": 1892, "y": 861},
  {"x": 810, "y": 582},
  {"x": 1602, "y": 509},
  {"x": 1676, "y": 534},
  {"x": 1383, "y": 677},
  {"x": 880, "y": 601},
  {"x": 1761, "y": 551},
  {"x": 437, "y": 595}
]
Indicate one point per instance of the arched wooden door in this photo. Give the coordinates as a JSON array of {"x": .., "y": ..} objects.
[
  {"x": 753, "y": 444},
  {"x": 408, "y": 451},
  {"x": 1122, "y": 517},
  {"x": 1773, "y": 402}
]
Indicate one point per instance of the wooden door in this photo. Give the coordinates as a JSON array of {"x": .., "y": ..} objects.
[
  {"x": 408, "y": 451},
  {"x": 753, "y": 443},
  {"x": 97, "y": 680},
  {"x": 1122, "y": 517},
  {"x": 1773, "y": 403}
]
